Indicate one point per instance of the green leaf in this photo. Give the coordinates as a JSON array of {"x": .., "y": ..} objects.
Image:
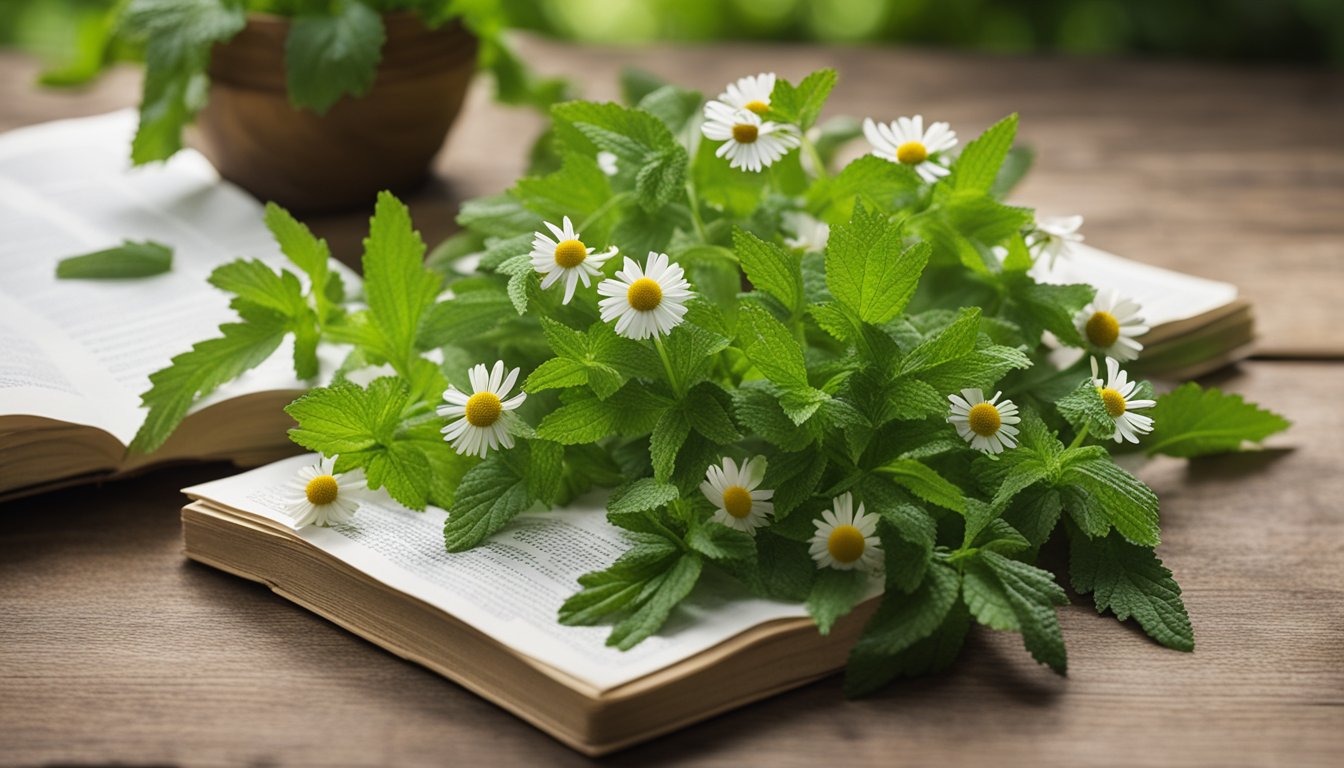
[
  {"x": 691, "y": 349},
  {"x": 900, "y": 621},
  {"x": 332, "y": 52},
  {"x": 708, "y": 416},
  {"x": 1084, "y": 408},
  {"x": 1131, "y": 581},
  {"x": 614, "y": 589},
  {"x": 771, "y": 268},
  {"x": 346, "y": 419},
  {"x": 398, "y": 287},
  {"x": 583, "y": 420},
  {"x": 463, "y": 317},
  {"x": 297, "y": 242},
  {"x": 545, "y": 470},
  {"x": 657, "y": 599},
  {"x": 980, "y": 217},
  {"x": 873, "y": 182},
  {"x": 955, "y": 341},
  {"x": 757, "y": 407},
  {"x": 661, "y": 178},
  {"x": 1032, "y": 594},
  {"x": 986, "y": 598},
  {"x": 801, "y": 105},
  {"x": 1099, "y": 488},
  {"x": 490, "y": 495},
  {"x": 401, "y": 468},
  {"x": 719, "y": 542},
  {"x": 925, "y": 483},
  {"x": 979, "y": 163},
  {"x": 771, "y": 347},
  {"x": 255, "y": 283},
  {"x": 1040, "y": 306},
  {"x": 1190, "y": 421},
  {"x": 668, "y": 436},
  {"x": 643, "y": 495},
  {"x": 834, "y": 594},
  {"x": 727, "y": 189},
  {"x": 868, "y": 271},
  {"x": 177, "y": 37},
  {"x": 578, "y": 189},
  {"x": 200, "y": 371},
  {"x": 1013, "y": 170},
  {"x": 144, "y": 258}
]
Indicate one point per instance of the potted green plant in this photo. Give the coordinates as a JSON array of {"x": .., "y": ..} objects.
[{"x": 316, "y": 104}]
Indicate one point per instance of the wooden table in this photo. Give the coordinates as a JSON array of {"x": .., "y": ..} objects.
[{"x": 113, "y": 648}]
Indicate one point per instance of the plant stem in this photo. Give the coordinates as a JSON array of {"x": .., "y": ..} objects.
[
  {"x": 810, "y": 150},
  {"x": 695, "y": 212},
  {"x": 1082, "y": 435},
  {"x": 667, "y": 367}
]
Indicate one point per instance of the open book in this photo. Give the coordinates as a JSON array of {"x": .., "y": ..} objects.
[
  {"x": 78, "y": 353},
  {"x": 75, "y": 355},
  {"x": 486, "y": 618}
]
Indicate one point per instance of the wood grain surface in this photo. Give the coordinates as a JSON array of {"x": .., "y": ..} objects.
[{"x": 113, "y": 648}]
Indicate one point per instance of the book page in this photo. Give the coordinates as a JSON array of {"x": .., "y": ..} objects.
[
  {"x": 67, "y": 188},
  {"x": 1165, "y": 296},
  {"x": 511, "y": 586}
]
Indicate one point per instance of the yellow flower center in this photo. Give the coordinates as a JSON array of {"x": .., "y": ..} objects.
[
  {"x": 644, "y": 294},
  {"x": 984, "y": 419},
  {"x": 570, "y": 253},
  {"x": 912, "y": 153},
  {"x": 1114, "y": 402},
  {"x": 322, "y": 490},
  {"x": 1102, "y": 329},
  {"x": 745, "y": 133},
  {"x": 757, "y": 106},
  {"x": 845, "y": 543},
  {"x": 483, "y": 409},
  {"x": 737, "y": 501}
]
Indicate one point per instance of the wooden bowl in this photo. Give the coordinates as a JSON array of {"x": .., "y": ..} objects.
[{"x": 386, "y": 139}]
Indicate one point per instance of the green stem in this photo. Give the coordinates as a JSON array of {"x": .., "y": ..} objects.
[
  {"x": 810, "y": 150},
  {"x": 695, "y": 212},
  {"x": 667, "y": 366},
  {"x": 1077, "y": 441}
]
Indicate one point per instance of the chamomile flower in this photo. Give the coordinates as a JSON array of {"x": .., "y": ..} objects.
[
  {"x": 986, "y": 424},
  {"x": 565, "y": 258},
  {"x": 1116, "y": 392},
  {"x": 748, "y": 143},
  {"x": 846, "y": 539},
  {"x": 906, "y": 142},
  {"x": 607, "y": 162},
  {"x": 647, "y": 301},
  {"x": 318, "y": 496},
  {"x": 810, "y": 234},
  {"x": 1055, "y": 237},
  {"x": 751, "y": 92},
  {"x": 1112, "y": 326},
  {"x": 734, "y": 493},
  {"x": 480, "y": 424}
]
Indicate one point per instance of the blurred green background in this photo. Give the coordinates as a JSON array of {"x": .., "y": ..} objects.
[{"x": 1307, "y": 31}]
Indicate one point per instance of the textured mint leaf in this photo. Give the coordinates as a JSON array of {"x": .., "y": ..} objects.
[
  {"x": 1131, "y": 582},
  {"x": 978, "y": 165},
  {"x": 661, "y": 178},
  {"x": 255, "y": 283},
  {"x": 177, "y": 37},
  {"x": 1018, "y": 258},
  {"x": 708, "y": 416},
  {"x": 954, "y": 342},
  {"x": 981, "y": 369},
  {"x": 545, "y": 470},
  {"x": 934, "y": 653},
  {"x": 672, "y": 105},
  {"x": 691, "y": 349},
  {"x": 977, "y": 216},
  {"x": 398, "y": 287},
  {"x": 757, "y": 408},
  {"x": 771, "y": 269},
  {"x": 1100, "y": 488},
  {"x": 463, "y": 317},
  {"x": 908, "y": 533},
  {"x": 144, "y": 258},
  {"x": 583, "y": 420},
  {"x": 490, "y": 495},
  {"x": 1033, "y": 594},
  {"x": 869, "y": 270},
  {"x": 198, "y": 372},
  {"x": 656, "y": 601},
  {"x": 724, "y": 188},
  {"x": 556, "y": 373},
  {"x": 612, "y": 590},
  {"x": 331, "y": 53},
  {"x": 834, "y": 594},
  {"x": 900, "y": 621},
  {"x": 802, "y": 104},
  {"x": 1037, "y": 307},
  {"x": 985, "y": 597},
  {"x": 1190, "y": 421},
  {"x": 577, "y": 190},
  {"x": 794, "y": 477},
  {"x": 643, "y": 495},
  {"x": 666, "y": 440},
  {"x": 297, "y": 242},
  {"x": 786, "y": 569},
  {"x": 925, "y": 483},
  {"x": 1013, "y": 170},
  {"x": 771, "y": 347},
  {"x": 499, "y": 215},
  {"x": 1084, "y": 409},
  {"x": 1034, "y": 513},
  {"x": 719, "y": 542},
  {"x": 403, "y": 470},
  {"x": 874, "y": 182},
  {"x": 344, "y": 418}
]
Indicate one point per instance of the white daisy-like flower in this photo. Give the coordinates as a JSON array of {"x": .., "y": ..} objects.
[
  {"x": 810, "y": 234},
  {"x": 648, "y": 301},
  {"x": 736, "y": 496},
  {"x": 846, "y": 539},
  {"x": 607, "y": 162},
  {"x": 1112, "y": 325},
  {"x": 480, "y": 424},
  {"x": 566, "y": 258},
  {"x": 318, "y": 496},
  {"x": 751, "y": 92},
  {"x": 988, "y": 425},
  {"x": 1054, "y": 237},
  {"x": 748, "y": 143},
  {"x": 906, "y": 142},
  {"x": 1116, "y": 392}
]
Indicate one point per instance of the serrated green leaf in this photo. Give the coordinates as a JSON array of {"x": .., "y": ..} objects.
[
  {"x": 708, "y": 416},
  {"x": 802, "y": 104},
  {"x": 577, "y": 190},
  {"x": 490, "y": 495},
  {"x": 345, "y": 418},
  {"x": 771, "y": 268},
  {"x": 719, "y": 542},
  {"x": 1130, "y": 581},
  {"x": 584, "y": 420},
  {"x": 668, "y": 436},
  {"x": 131, "y": 259},
  {"x": 659, "y": 596},
  {"x": 900, "y": 622},
  {"x": 875, "y": 183},
  {"x": 925, "y": 483},
  {"x": 978, "y": 165},
  {"x": 255, "y": 283},
  {"x": 1101, "y": 488},
  {"x": 398, "y": 288},
  {"x": 985, "y": 597},
  {"x": 463, "y": 317},
  {"x": 1190, "y": 421},
  {"x": 834, "y": 594},
  {"x": 771, "y": 347},
  {"x": 332, "y": 53},
  {"x": 869, "y": 270},
  {"x": 955, "y": 341},
  {"x": 1033, "y": 594}
]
